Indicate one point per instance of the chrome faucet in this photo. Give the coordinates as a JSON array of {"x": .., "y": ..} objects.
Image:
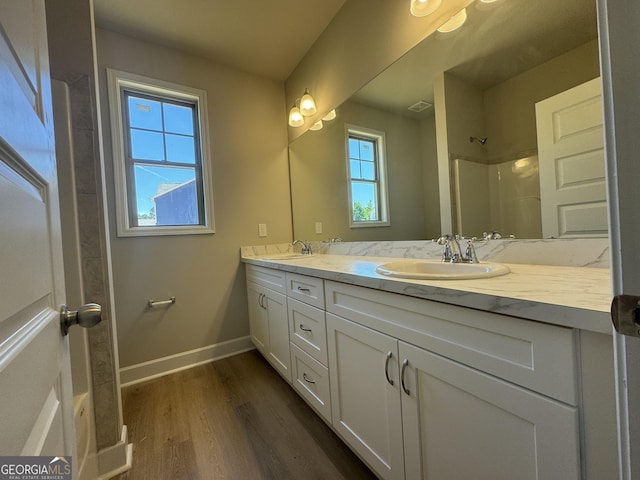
[
  {"x": 306, "y": 247},
  {"x": 452, "y": 251}
]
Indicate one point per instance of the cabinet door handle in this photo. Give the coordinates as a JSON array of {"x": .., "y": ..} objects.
[
  {"x": 305, "y": 290},
  {"x": 386, "y": 367},
  {"x": 305, "y": 329},
  {"x": 306, "y": 378},
  {"x": 405, "y": 364},
  {"x": 260, "y": 300}
]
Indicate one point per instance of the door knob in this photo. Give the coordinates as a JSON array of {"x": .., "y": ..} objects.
[{"x": 86, "y": 316}]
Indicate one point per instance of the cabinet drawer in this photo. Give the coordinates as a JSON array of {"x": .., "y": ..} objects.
[
  {"x": 307, "y": 329},
  {"x": 535, "y": 355},
  {"x": 306, "y": 289},
  {"x": 267, "y": 277},
  {"x": 311, "y": 381}
]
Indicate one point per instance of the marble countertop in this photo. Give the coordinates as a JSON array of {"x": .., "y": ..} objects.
[{"x": 576, "y": 297}]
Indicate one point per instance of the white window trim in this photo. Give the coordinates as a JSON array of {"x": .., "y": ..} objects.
[
  {"x": 380, "y": 138},
  {"x": 116, "y": 80}
]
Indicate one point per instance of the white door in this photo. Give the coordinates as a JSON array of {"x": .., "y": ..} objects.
[
  {"x": 35, "y": 405},
  {"x": 619, "y": 25},
  {"x": 365, "y": 394},
  {"x": 571, "y": 154},
  {"x": 278, "y": 323},
  {"x": 258, "y": 319},
  {"x": 460, "y": 423}
]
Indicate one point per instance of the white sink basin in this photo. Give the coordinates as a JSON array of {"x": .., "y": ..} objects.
[
  {"x": 287, "y": 256},
  {"x": 435, "y": 270}
]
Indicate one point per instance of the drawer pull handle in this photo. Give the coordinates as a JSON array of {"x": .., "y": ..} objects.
[
  {"x": 386, "y": 367},
  {"x": 306, "y": 378},
  {"x": 405, "y": 364},
  {"x": 305, "y": 329},
  {"x": 305, "y": 290}
]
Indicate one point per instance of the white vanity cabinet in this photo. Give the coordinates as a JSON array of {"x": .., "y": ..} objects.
[
  {"x": 459, "y": 405},
  {"x": 426, "y": 390},
  {"x": 268, "y": 322}
]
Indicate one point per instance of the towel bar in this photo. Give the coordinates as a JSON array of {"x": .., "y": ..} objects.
[{"x": 154, "y": 303}]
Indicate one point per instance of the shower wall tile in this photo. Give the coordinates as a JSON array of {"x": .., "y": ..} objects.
[{"x": 84, "y": 160}]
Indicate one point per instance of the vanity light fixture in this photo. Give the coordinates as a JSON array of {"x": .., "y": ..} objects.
[
  {"x": 454, "y": 22},
  {"x": 316, "y": 126},
  {"x": 330, "y": 116},
  {"x": 295, "y": 116},
  {"x": 307, "y": 104},
  {"x": 422, "y": 8}
]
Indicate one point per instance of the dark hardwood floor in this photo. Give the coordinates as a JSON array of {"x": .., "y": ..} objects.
[{"x": 232, "y": 419}]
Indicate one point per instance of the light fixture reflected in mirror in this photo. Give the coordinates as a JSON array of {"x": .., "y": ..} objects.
[
  {"x": 316, "y": 126},
  {"x": 422, "y": 8},
  {"x": 307, "y": 104},
  {"x": 295, "y": 116},
  {"x": 454, "y": 22},
  {"x": 330, "y": 116}
]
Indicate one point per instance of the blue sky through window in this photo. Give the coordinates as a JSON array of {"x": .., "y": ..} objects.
[
  {"x": 362, "y": 170},
  {"x": 161, "y": 132}
]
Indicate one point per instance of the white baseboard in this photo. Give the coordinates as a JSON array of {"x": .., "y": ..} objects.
[
  {"x": 117, "y": 458},
  {"x": 181, "y": 361}
]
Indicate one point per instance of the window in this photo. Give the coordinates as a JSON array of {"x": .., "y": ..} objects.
[
  {"x": 366, "y": 174},
  {"x": 160, "y": 153}
]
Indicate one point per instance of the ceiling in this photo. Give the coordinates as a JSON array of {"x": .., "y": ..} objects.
[{"x": 267, "y": 38}]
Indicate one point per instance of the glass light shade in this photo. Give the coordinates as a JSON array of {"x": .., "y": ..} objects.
[
  {"x": 307, "y": 104},
  {"x": 316, "y": 126},
  {"x": 330, "y": 116},
  {"x": 454, "y": 22},
  {"x": 295, "y": 117},
  {"x": 422, "y": 8}
]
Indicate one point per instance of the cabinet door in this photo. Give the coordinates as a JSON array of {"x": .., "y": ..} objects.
[
  {"x": 365, "y": 406},
  {"x": 462, "y": 423},
  {"x": 279, "y": 352},
  {"x": 258, "y": 320}
]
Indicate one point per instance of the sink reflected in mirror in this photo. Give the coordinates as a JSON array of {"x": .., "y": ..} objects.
[{"x": 436, "y": 270}]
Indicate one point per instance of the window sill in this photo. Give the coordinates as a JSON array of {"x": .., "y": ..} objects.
[{"x": 165, "y": 231}]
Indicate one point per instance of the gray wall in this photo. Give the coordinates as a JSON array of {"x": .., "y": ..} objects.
[{"x": 250, "y": 186}]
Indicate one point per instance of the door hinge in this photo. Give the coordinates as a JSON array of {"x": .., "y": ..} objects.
[{"x": 625, "y": 314}]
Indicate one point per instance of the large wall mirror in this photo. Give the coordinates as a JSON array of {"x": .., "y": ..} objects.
[{"x": 459, "y": 125}]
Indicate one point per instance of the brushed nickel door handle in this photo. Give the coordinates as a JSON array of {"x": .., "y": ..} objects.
[
  {"x": 405, "y": 364},
  {"x": 386, "y": 367}
]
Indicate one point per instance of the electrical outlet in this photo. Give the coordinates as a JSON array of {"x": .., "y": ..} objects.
[
  {"x": 262, "y": 229},
  {"x": 318, "y": 227}
]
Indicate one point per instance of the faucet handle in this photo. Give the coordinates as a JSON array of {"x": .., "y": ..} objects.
[
  {"x": 470, "y": 252},
  {"x": 447, "y": 251},
  {"x": 442, "y": 239},
  {"x": 306, "y": 247}
]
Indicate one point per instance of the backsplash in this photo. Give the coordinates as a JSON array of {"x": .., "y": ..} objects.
[{"x": 579, "y": 252}]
